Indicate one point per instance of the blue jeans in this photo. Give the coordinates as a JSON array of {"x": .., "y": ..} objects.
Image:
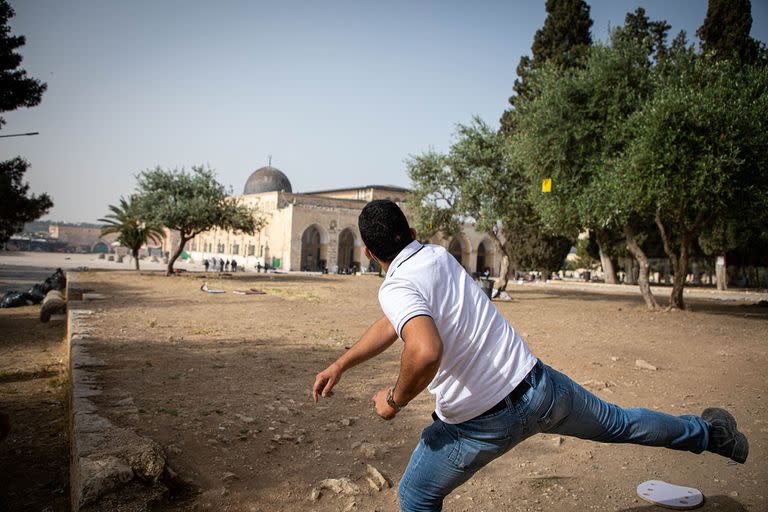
[{"x": 448, "y": 455}]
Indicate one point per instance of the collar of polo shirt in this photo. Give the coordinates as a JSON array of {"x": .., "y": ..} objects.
[{"x": 408, "y": 251}]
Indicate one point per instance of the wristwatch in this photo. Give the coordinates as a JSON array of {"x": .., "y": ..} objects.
[{"x": 392, "y": 403}]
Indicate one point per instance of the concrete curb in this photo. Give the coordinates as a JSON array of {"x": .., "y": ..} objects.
[{"x": 111, "y": 468}]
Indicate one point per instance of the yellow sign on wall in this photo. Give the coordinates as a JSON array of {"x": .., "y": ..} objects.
[{"x": 546, "y": 185}]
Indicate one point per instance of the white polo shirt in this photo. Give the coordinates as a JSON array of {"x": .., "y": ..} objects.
[{"x": 483, "y": 358}]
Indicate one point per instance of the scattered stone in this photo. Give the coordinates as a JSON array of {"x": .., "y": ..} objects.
[
  {"x": 124, "y": 402},
  {"x": 347, "y": 422},
  {"x": 244, "y": 419},
  {"x": 615, "y": 358},
  {"x": 644, "y": 365},
  {"x": 559, "y": 440},
  {"x": 315, "y": 494},
  {"x": 376, "y": 479},
  {"x": 372, "y": 451},
  {"x": 598, "y": 385},
  {"x": 339, "y": 486},
  {"x": 228, "y": 477}
]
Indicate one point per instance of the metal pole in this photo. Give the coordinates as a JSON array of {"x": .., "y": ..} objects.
[{"x": 20, "y": 134}]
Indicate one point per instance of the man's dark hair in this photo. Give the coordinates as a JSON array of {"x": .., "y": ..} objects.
[{"x": 384, "y": 229}]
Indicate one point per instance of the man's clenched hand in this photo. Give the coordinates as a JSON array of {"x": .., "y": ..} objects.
[{"x": 383, "y": 409}]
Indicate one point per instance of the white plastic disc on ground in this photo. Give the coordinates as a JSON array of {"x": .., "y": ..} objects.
[{"x": 669, "y": 495}]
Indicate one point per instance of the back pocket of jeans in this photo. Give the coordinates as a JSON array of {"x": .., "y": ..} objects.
[{"x": 556, "y": 412}]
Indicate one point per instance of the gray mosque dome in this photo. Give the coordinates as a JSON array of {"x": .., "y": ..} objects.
[{"x": 267, "y": 179}]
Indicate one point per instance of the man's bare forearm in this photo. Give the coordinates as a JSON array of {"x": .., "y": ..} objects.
[
  {"x": 379, "y": 337},
  {"x": 420, "y": 360}
]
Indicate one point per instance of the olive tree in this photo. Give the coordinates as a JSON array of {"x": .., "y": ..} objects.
[{"x": 192, "y": 203}]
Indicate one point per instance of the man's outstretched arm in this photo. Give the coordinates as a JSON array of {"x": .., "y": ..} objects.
[
  {"x": 418, "y": 365},
  {"x": 376, "y": 340}
]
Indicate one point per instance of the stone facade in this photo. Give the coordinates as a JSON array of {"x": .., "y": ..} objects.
[
  {"x": 86, "y": 238},
  {"x": 318, "y": 231}
]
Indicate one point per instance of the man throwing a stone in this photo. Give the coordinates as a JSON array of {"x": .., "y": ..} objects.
[{"x": 490, "y": 391}]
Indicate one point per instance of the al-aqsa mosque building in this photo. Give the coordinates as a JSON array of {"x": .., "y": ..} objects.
[{"x": 317, "y": 231}]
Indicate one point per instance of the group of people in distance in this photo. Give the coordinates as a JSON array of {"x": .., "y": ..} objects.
[{"x": 220, "y": 265}]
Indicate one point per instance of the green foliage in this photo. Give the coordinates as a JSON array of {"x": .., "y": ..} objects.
[
  {"x": 575, "y": 127},
  {"x": 434, "y": 195},
  {"x": 587, "y": 251},
  {"x": 469, "y": 184},
  {"x": 16, "y": 206},
  {"x": 699, "y": 149},
  {"x": 16, "y": 88},
  {"x": 475, "y": 183},
  {"x": 562, "y": 41},
  {"x": 133, "y": 230},
  {"x": 565, "y": 35},
  {"x": 725, "y": 32},
  {"x": 191, "y": 203},
  {"x": 532, "y": 248}
]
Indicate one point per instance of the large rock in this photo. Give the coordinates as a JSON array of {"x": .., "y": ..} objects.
[
  {"x": 100, "y": 476},
  {"x": 376, "y": 479},
  {"x": 53, "y": 304}
]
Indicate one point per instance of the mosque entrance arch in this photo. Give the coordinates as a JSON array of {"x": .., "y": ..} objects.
[
  {"x": 313, "y": 249},
  {"x": 346, "y": 254},
  {"x": 100, "y": 247},
  {"x": 484, "y": 257}
]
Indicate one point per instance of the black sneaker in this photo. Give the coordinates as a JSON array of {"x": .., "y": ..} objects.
[{"x": 724, "y": 439}]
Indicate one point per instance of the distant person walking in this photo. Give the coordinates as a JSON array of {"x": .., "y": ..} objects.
[
  {"x": 491, "y": 391},
  {"x": 206, "y": 264},
  {"x": 234, "y": 266}
]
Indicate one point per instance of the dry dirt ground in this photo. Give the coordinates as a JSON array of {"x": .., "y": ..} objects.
[
  {"x": 223, "y": 381},
  {"x": 34, "y": 456}
]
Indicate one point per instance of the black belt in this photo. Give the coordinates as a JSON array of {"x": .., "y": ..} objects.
[{"x": 515, "y": 396}]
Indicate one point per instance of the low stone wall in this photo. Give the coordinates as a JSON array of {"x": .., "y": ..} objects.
[{"x": 111, "y": 468}]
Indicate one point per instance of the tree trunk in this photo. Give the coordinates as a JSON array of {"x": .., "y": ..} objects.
[
  {"x": 679, "y": 264},
  {"x": 135, "y": 254},
  {"x": 501, "y": 282},
  {"x": 678, "y": 280},
  {"x": 642, "y": 260},
  {"x": 605, "y": 260},
  {"x": 182, "y": 242},
  {"x": 721, "y": 273}
]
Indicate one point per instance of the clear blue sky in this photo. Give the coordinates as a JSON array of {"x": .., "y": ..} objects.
[{"x": 339, "y": 92}]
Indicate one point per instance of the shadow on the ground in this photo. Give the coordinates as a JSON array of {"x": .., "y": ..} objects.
[
  {"x": 33, "y": 394},
  {"x": 753, "y": 311}
]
